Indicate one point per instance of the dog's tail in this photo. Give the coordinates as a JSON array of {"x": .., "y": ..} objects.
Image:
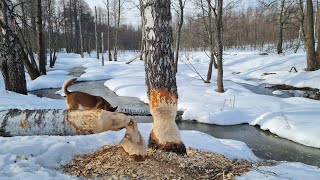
[{"x": 66, "y": 84}]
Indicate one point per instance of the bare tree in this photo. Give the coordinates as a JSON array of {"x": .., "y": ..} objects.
[
  {"x": 41, "y": 45},
  {"x": 96, "y": 31},
  {"x": 11, "y": 51},
  {"x": 117, "y": 27},
  {"x": 161, "y": 76},
  {"x": 107, "y": 4},
  {"x": 219, "y": 45},
  {"x": 102, "y": 47},
  {"x": 309, "y": 39},
  {"x": 180, "y": 23},
  {"x": 80, "y": 29}
]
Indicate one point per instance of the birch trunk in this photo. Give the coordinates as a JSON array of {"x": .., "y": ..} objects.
[
  {"x": 180, "y": 23},
  {"x": 80, "y": 33},
  {"x": 59, "y": 122},
  {"x": 109, "y": 49},
  {"x": 11, "y": 51},
  {"x": 312, "y": 63},
  {"x": 102, "y": 46},
  {"x": 117, "y": 26},
  {"x": 79, "y": 122},
  {"x": 161, "y": 76},
  {"x": 41, "y": 45}
]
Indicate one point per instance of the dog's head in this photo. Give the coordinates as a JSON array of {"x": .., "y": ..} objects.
[{"x": 113, "y": 109}]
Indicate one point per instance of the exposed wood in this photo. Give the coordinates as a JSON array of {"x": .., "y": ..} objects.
[
  {"x": 161, "y": 76},
  {"x": 133, "y": 143},
  {"x": 16, "y": 122},
  {"x": 63, "y": 122}
]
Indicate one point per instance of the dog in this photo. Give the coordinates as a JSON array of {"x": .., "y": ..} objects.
[{"x": 77, "y": 99}]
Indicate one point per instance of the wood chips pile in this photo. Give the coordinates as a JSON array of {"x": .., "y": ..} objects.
[{"x": 111, "y": 163}]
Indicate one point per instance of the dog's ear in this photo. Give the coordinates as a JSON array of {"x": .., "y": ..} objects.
[{"x": 115, "y": 108}]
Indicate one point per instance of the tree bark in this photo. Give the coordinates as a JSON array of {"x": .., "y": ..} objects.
[
  {"x": 142, "y": 31},
  {"x": 211, "y": 32},
  {"x": 11, "y": 51},
  {"x": 312, "y": 63},
  {"x": 280, "y": 28},
  {"x": 109, "y": 49},
  {"x": 219, "y": 45},
  {"x": 41, "y": 45},
  {"x": 96, "y": 31},
  {"x": 102, "y": 46},
  {"x": 80, "y": 33},
  {"x": 16, "y": 122},
  {"x": 117, "y": 26},
  {"x": 161, "y": 76},
  {"x": 180, "y": 23}
]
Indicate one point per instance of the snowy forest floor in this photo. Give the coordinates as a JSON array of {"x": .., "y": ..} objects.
[{"x": 294, "y": 118}]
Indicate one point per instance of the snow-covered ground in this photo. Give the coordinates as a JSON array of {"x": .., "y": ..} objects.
[{"x": 296, "y": 118}]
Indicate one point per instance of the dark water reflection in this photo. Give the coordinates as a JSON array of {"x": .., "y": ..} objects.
[{"x": 263, "y": 143}]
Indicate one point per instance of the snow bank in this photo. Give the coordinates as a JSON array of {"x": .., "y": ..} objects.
[{"x": 39, "y": 157}]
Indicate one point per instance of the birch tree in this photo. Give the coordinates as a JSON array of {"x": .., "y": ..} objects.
[
  {"x": 11, "y": 51},
  {"x": 96, "y": 30},
  {"x": 41, "y": 45},
  {"x": 182, "y": 4},
  {"x": 313, "y": 56},
  {"x": 107, "y": 4},
  {"x": 219, "y": 45},
  {"x": 161, "y": 76}
]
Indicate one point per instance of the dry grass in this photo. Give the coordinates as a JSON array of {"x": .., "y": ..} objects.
[{"x": 112, "y": 163}]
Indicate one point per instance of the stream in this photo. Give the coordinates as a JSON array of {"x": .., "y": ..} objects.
[{"x": 264, "y": 144}]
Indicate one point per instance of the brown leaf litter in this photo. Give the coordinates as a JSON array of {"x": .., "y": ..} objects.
[{"x": 110, "y": 162}]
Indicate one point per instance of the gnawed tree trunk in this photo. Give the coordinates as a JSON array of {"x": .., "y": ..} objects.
[
  {"x": 161, "y": 76},
  {"x": 79, "y": 122},
  {"x": 11, "y": 51}
]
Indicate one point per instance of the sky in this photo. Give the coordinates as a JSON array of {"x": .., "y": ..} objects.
[{"x": 131, "y": 14}]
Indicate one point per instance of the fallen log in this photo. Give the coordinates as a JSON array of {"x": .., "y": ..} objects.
[
  {"x": 16, "y": 122},
  {"x": 133, "y": 59}
]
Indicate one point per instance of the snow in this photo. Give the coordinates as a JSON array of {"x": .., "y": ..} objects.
[
  {"x": 283, "y": 171},
  {"x": 277, "y": 93},
  {"x": 19, "y": 158},
  {"x": 295, "y": 118}
]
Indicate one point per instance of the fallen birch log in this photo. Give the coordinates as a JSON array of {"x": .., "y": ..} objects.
[{"x": 16, "y": 122}]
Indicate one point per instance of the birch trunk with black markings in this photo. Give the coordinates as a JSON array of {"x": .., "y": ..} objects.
[
  {"x": 161, "y": 76},
  {"x": 11, "y": 52},
  {"x": 79, "y": 122}
]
